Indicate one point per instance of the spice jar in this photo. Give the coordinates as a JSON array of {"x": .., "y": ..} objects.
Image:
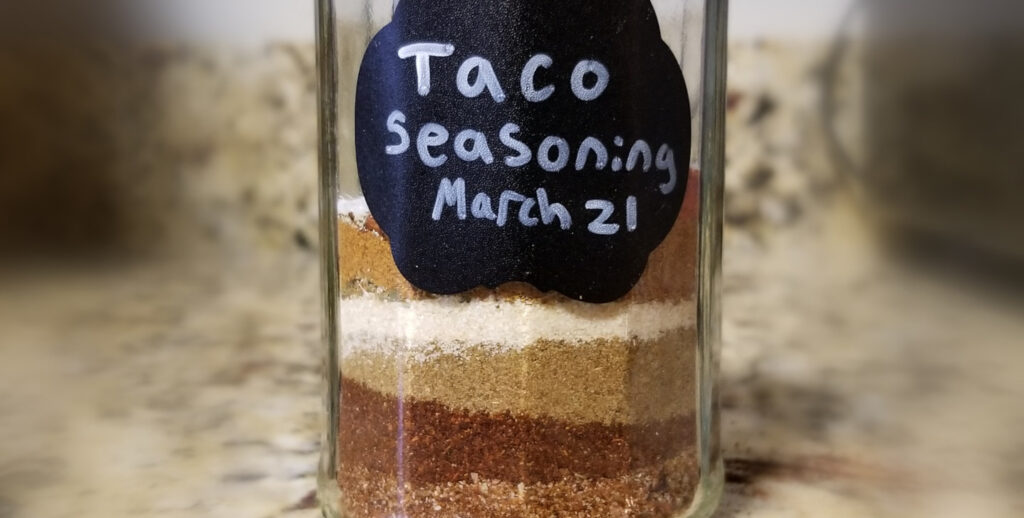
[{"x": 520, "y": 206}]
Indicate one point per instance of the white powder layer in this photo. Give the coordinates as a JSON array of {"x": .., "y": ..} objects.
[
  {"x": 425, "y": 328},
  {"x": 354, "y": 209}
]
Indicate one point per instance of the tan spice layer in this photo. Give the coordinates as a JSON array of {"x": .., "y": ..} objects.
[
  {"x": 366, "y": 265},
  {"x": 430, "y": 443},
  {"x": 605, "y": 381},
  {"x": 660, "y": 492}
]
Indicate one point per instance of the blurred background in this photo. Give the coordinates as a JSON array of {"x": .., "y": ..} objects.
[{"x": 159, "y": 314}]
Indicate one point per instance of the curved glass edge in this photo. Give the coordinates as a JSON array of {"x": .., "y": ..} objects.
[
  {"x": 709, "y": 309},
  {"x": 327, "y": 120}
]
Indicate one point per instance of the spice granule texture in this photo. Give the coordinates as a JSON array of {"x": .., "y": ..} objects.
[
  {"x": 609, "y": 381},
  {"x": 554, "y": 409}
]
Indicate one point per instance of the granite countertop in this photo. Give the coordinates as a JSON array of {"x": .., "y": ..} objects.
[
  {"x": 194, "y": 390},
  {"x": 190, "y": 386}
]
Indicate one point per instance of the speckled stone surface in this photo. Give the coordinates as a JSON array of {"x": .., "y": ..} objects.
[
  {"x": 174, "y": 390},
  {"x": 853, "y": 384}
]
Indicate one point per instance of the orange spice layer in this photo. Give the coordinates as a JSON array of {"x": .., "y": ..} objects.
[{"x": 366, "y": 264}]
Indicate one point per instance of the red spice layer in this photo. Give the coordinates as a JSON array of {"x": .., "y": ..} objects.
[{"x": 442, "y": 445}]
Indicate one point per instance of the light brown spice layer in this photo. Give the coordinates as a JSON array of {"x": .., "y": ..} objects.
[
  {"x": 606, "y": 381},
  {"x": 366, "y": 264},
  {"x": 660, "y": 492}
]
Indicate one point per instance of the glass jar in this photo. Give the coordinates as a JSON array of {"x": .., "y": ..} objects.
[{"x": 521, "y": 206}]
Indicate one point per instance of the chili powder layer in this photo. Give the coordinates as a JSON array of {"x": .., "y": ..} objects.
[{"x": 430, "y": 443}]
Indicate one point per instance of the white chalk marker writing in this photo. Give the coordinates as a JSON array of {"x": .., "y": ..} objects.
[{"x": 423, "y": 52}]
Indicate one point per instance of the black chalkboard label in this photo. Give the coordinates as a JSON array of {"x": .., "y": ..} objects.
[{"x": 523, "y": 140}]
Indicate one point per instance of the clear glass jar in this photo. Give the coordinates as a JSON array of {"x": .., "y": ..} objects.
[{"x": 521, "y": 206}]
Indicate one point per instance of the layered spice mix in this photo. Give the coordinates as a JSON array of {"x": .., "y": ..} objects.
[{"x": 511, "y": 402}]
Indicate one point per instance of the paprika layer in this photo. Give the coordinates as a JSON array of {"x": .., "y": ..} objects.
[{"x": 430, "y": 443}]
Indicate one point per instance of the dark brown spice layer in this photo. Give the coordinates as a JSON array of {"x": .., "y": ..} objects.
[
  {"x": 656, "y": 492},
  {"x": 441, "y": 445}
]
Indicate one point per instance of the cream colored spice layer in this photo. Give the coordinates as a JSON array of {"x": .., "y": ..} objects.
[{"x": 422, "y": 328}]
